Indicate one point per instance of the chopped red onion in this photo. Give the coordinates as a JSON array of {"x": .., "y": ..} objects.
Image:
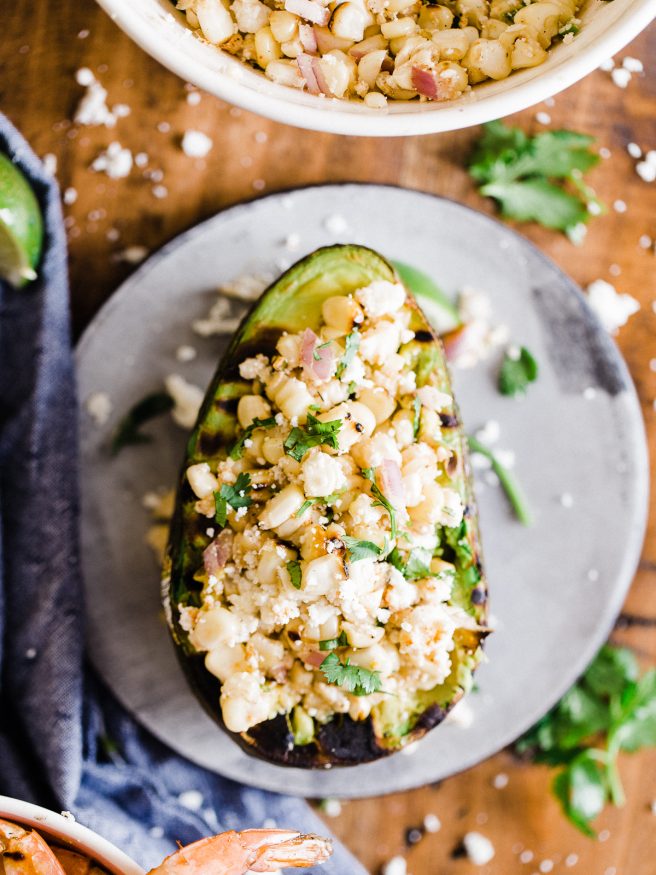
[
  {"x": 317, "y": 359},
  {"x": 424, "y": 82},
  {"x": 217, "y": 553}
]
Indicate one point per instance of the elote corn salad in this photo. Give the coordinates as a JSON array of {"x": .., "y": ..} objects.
[
  {"x": 327, "y": 587},
  {"x": 379, "y": 49}
]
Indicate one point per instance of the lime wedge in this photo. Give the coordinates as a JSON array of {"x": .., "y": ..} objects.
[
  {"x": 21, "y": 226},
  {"x": 441, "y": 312}
]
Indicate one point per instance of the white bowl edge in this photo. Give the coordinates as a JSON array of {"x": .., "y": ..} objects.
[
  {"x": 160, "y": 31},
  {"x": 69, "y": 834}
]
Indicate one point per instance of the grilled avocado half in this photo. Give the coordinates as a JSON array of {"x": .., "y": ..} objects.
[{"x": 291, "y": 304}]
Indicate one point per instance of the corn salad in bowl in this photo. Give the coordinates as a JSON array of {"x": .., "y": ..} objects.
[{"x": 375, "y": 50}]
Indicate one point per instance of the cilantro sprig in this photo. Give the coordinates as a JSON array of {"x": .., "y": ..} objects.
[
  {"x": 415, "y": 566},
  {"x": 509, "y": 484},
  {"x": 128, "y": 431},
  {"x": 609, "y": 710},
  {"x": 236, "y": 495},
  {"x": 315, "y": 433},
  {"x": 334, "y": 643},
  {"x": 295, "y": 573},
  {"x": 352, "y": 678},
  {"x": 352, "y": 344},
  {"x": 328, "y": 500},
  {"x": 517, "y": 372},
  {"x": 537, "y": 178},
  {"x": 358, "y": 549},
  {"x": 238, "y": 449},
  {"x": 381, "y": 501}
]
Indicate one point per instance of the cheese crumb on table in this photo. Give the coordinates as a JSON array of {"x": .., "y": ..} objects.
[
  {"x": 196, "y": 144},
  {"x": 432, "y": 823},
  {"x": 395, "y": 866},
  {"x": 191, "y": 799},
  {"x": 479, "y": 848},
  {"x": 115, "y": 161},
  {"x": 187, "y": 399},
  {"x": 612, "y": 308}
]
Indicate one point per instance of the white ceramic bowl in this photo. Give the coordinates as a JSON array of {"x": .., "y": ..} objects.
[
  {"x": 69, "y": 834},
  {"x": 160, "y": 30}
]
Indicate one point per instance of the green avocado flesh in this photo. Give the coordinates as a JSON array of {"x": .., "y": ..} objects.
[{"x": 292, "y": 304}]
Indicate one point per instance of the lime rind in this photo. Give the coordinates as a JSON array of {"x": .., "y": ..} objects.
[{"x": 21, "y": 226}]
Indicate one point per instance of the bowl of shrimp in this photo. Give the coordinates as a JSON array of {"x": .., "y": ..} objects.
[
  {"x": 382, "y": 67},
  {"x": 36, "y": 841}
]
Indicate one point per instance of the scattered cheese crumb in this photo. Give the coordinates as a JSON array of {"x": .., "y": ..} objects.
[
  {"x": 634, "y": 150},
  {"x": 196, "y": 144},
  {"x": 193, "y": 98},
  {"x": 259, "y": 184},
  {"x": 526, "y": 856},
  {"x": 646, "y": 170},
  {"x": 185, "y": 353},
  {"x": 500, "y": 781},
  {"x": 543, "y": 118},
  {"x": 163, "y": 127},
  {"x": 187, "y": 399},
  {"x": 395, "y": 866},
  {"x": 593, "y": 575},
  {"x": 604, "y": 835},
  {"x": 30, "y": 653},
  {"x": 619, "y": 206},
  {"x": 614, "y": 270},
  {"x": 432, "y": 823},
  {"x": 132, "y": 254},
  {"x": 567, "y": 500},
  {"x": 546, "y": 866},
  {"x": 490, "y": 432},
  {"x": 461, "y": 715},
  {"x": 156, "y": 832},
  {"x": 99, "y": 407},
  {"x": 620, "y": 76},
  {"x": 92, "y": 109},
  {"x": 604, "y": 153},
  {"x": 607, "y": 65},
  {"x": 191, "y": 799},
  {"x": 480, "y": 849},
  {"x": 571, "y": 860},
  {"x": 336, "y": 224},
  {"x": 70, "y": 196},
  {"x": 611, "y": 308},
  {"x": 160, "y": 191},
  {"x": 217, "y": 321},
  {"x": 652, "y": 807},
  {"x": 115, "y": 161},
  {"x": 292, "y": 242},
  {"x": 645, "y": 241},
  {"x": 141, "y": 159},
  {"x": 590, "y": 393},
  {"x": 68, "y": 816},
  {"x": 261, "y": 137},
  {"x": 331, "y": 807},
  {"x": 633, "y": 65},
  {"x": 50, "y": 163}
]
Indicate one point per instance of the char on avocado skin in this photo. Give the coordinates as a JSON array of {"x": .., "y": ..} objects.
[{"x": 340, "y": 740}]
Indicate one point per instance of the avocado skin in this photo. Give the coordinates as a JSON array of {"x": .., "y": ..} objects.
[{"x": 341, "y": 741}]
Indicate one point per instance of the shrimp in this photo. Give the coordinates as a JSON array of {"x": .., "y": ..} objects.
[
  {"x": 254, "y": 850},
  {"x": 24, "y": 852},
  {"x": 75, "y": 864}
]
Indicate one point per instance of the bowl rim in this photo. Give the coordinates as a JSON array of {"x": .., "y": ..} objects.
[
  {"x": 370, "y": 122},
  {"x": 70, "y": 834}
]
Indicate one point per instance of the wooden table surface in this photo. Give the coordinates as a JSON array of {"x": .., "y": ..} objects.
[{"x": 45, "y": 41}]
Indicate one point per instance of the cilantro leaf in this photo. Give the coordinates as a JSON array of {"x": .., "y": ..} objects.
[
  {"x": 638, "y": 718},
  {"x": 353, "y": 678},
  {"x": 537, "y": 200},
  {"x": 351, "y": 348},
  {"x": 516, "y": 373},
  {"x": 360, "y": 549},
  {"x": 334, "y": 643},
  {"x": 295, "y": 574},
  {"x": 301, "y": 439},
  {"x": 582, "y": 791},
  {"x": 238, "y": 449},
  {"x": 381, "y": 501},
  {"x": 536, "y": 178},
  {"x": 128, "y": 430},
  {"x": 417, "y": 564},
  {"x": 234, "y": 495}
]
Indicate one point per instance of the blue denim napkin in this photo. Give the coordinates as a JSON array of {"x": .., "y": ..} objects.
[{"x": 64, "y": 741}]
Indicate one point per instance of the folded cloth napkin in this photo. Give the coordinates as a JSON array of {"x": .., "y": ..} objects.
[{"x": 64, "y": 741}]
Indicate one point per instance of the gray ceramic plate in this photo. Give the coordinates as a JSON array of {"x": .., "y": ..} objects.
[{"x": 556, "y": 587}]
